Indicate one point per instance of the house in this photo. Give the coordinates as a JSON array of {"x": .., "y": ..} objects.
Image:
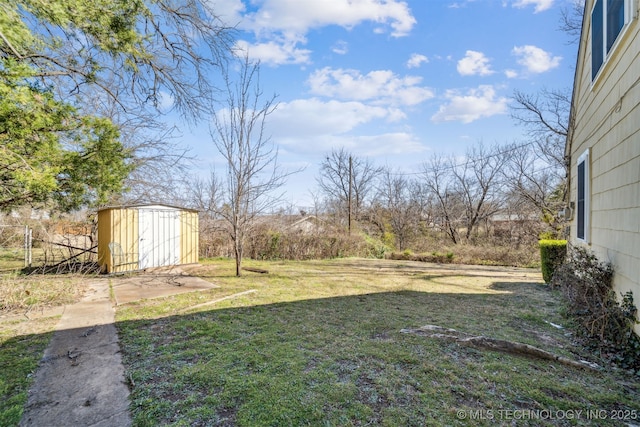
[
  {"x": 146, "y": 236},
  {"x": 603, "y": 144}
]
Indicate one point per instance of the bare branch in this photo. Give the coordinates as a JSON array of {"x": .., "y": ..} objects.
[{"x": 571, "y": 20}]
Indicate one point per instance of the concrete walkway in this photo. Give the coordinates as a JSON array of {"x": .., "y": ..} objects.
[{"x": 80, "y": 381}]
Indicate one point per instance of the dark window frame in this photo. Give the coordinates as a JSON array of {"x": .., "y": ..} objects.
[
  {"x": 608, "y": 21},
  {"x": 583, "y": 197}
]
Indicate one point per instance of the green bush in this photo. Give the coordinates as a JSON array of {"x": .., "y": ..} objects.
[{"x": 552, "y": 253}]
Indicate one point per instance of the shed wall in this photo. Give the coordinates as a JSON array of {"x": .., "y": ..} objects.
[
  {"x": 189, "y": 238},
  {"x": 120, "y": 226}
]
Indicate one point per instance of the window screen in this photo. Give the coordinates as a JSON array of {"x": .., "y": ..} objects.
[
  {"x": 581, "y": 214},
  {"x": 597, "y": 36},
  {"x": 615, "y": 21}
]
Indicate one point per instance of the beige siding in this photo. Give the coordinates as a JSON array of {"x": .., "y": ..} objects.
[
  {"x": 189, "y": 237},
  {"x": 606, "y": 118},
  {"x": 119, "y": 226}
]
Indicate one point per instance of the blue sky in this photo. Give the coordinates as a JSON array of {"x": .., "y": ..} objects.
[{"x": 392, "y": 80}]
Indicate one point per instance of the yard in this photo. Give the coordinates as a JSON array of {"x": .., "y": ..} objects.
[{"x": 320, "y": 343}]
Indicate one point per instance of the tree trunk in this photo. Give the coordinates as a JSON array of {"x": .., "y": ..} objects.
[{"x": 238, "y": 253}]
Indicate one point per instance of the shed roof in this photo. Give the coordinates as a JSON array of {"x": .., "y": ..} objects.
[{"x": 146, "y": 205}]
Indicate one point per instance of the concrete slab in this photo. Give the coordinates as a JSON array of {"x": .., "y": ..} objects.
[{"x": 156, "y": 284}]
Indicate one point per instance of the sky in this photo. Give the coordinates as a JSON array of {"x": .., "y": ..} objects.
[{"x": 389, "y": 80}]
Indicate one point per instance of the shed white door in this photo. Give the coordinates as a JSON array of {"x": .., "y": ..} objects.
[{"x": 159, "y": 237}]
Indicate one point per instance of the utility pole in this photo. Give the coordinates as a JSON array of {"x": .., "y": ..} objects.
[{"x": 350, "y": 190}]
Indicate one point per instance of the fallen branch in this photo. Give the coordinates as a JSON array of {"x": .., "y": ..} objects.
[
  {"x": 256, "y": 270},
  {"x": 69, "y": 246},
  {"x": 504, "y": 346},
  {"x": 91, "y": 250}
]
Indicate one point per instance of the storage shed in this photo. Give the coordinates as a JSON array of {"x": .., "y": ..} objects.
[{"x": 146, "y": 236}]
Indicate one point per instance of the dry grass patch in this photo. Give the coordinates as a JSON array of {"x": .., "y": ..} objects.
[{"x": 19, "y": 292}]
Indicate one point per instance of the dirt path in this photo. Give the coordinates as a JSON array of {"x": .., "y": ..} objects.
[{"x": 80, "y": 381}]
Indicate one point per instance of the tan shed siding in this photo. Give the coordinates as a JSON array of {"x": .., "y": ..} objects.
[
  {"x": 125, "y": 232},
  {"x": 120, "y": 226},
  {"x": 189, "y": 237},
  {"x": 607, "y": 121},
  {"x": 104, "y": 237}
]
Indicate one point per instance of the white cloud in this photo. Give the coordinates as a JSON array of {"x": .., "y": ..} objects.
[
  {"x": 301, "y": 16},
  {"x": 273, "y": 53},
  {"x": 540, "y": 5},
  {"x": 312, "y": 126},
  {"x": 474, "y": 63},
  {"x": 280, "y": 26},
  {"x": 535, "y": 60},
  {"x": 165, "y": 101},
  {"x": 386, "y": 144},
  {"x": 460, "y": 5},
  {"x": 466, "y": 108},
  {"x": 304, "y": 117},
  {"x": 381, "y": 86},
  {"x": 341, "y": 47},
  {"x": 416, "y": 60},
  {"x": 228, "y": 11},
  {"x": 511, "y": 74}
]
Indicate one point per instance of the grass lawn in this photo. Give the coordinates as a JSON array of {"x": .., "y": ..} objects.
[{"x": 318, "y": 343}]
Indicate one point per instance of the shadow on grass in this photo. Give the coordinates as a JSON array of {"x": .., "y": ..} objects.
[
  {"x": 343, "y": 361},
  {"x": 19, "y": 357}
]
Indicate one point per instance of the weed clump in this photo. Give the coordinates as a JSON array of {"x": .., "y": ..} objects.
[{"x": 604, "y": 325}]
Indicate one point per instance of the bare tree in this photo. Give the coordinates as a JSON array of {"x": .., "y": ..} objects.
[
  {"x": 440, "y": 182},
  {"x": 539, "y": 173},
  {"x": 252, "y": 171},
  {"x": 397, "y": 205},
  {"x": 540, "y": 184},
  {"x": 347, "y": 180},
  {"x": 477, "y": 180},
  {"x": 545, "y": 117}
]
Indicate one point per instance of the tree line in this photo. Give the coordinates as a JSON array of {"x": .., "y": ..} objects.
[{"x": 84, "y": 92}]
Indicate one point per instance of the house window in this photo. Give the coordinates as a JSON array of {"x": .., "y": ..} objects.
[
  {"x": 582, "y": 213},
  {"x": 608, "y": 18}
]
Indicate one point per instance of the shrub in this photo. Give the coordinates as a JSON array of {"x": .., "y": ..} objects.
[
  {"x": 552, "y": 254},
  {"x": 375, "y": 248},
  {"x": 604, "y": 325}
]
